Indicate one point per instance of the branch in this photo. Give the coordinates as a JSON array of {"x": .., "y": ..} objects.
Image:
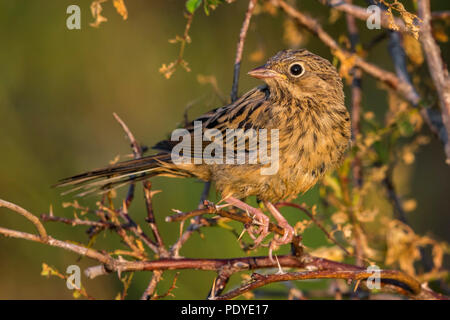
[
  {"x": 362, "y": 14},
  {"x": 240, "y": 49},
  {"x": 83, "y": 251},
  {"x": 318, "y": 268},
  {"x": 258, "y": 280},
  {"x": 151, "y": 288},
  {"x": 356, "y": 96},
  {"x": 29, "y": 216},
  {"x": 440, "y": 15},
  {"x": 137, "y": 151},
  {"x": 240, "y": 217}
]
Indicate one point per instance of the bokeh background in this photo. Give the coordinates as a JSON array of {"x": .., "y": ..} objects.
[{"x": 59, "y": 88}]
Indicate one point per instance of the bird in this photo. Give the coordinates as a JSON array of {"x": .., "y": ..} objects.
[{"x": 301, "y": 99}]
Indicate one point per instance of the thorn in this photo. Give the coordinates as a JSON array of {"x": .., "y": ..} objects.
[
  {"x": 242, "y": 233},
  {"x": 257, "y": 222},
  {"x": 181, "y": 228},
  {"x": 213, "y": 289},
  {"x": 153, "y": 192},
  {"x": 218, "y": 207},
  {"x": 356, "y": 285},
  {"x": 124, "y": 206},
  {"x": 280, "y": 270}
]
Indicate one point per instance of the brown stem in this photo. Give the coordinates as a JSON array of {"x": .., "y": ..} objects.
[
  {"x": 259, "y": 280},
  {"x": 438, "y": 71},
  {"x": 29, "y": 216},
  {"x": 440, "y": 15},
  {"x": 362, "y": 14},
  {"x": 240, "y": 49}
]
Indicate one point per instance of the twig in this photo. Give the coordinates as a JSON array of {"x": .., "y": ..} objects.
[
  {"x": 135, "y": 146},
  {"x": 80, "y": 222},
  {"x": 362, "y": 14},
  {"x": 83, "y": 251},
  {"x": 259, "y": 280},
  {"x": 150, "y": 219},
  {"x": 355, "y": 114},
  {"x": 240, "y": 49},
  {"x": 29, "y": 216},
  {"x": 220, "y": 282},
  {"x": 159, "y": 248},
  {"x": 440, "y": 15},
  {"x": 169, "y": 291},
  {"x": 245, "y": 219},
  {"x": 394, "y": 198},
  {"x": 150, "y": 290}
]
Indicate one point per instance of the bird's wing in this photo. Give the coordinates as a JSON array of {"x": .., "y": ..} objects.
[{"x": 240, "y": 114}]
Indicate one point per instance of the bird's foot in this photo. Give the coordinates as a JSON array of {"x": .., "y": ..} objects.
[
  {"x": 288, "y": 230},
  {"x": 259, "y": 219}
]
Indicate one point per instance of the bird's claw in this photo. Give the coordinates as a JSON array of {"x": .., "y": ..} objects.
[
  {"x": 262, "y": 221},
  {"x": 288, "y": 235}
]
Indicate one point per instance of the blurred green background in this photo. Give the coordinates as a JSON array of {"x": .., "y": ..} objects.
[{"x": 58, "y": 89}]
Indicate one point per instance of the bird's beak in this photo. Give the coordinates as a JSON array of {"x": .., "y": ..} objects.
[{"x": 263, "y": 73}]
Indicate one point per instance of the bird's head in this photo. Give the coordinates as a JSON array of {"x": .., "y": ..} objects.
[{"x": 302, "y": 74}]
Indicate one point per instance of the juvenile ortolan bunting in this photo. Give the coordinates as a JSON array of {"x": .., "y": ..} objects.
[{"x": 302, "y": 99}]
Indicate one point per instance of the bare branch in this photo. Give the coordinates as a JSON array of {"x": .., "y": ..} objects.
[
  {"x": 362, "y": 13},
  {"x": 151, "y": 288},
  {"x": 259, "y": 280},
  {"x": 440, "y": 15},
  {"x": 29, "y": 216},
  {"x": 240, "y": 49},
  {"x": 438, "y": 71}
]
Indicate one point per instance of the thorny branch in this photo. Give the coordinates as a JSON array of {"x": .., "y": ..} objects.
[{"x": 316, "y": 268}]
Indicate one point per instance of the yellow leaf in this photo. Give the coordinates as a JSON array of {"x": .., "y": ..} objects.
[
  {"x": 96, "y": 9},
  {"x": 121, "y": 8},
  {"x": 76, "y": 294},
  {"x": 413, "y": 49}
]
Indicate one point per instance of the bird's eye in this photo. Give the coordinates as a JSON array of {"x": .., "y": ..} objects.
[{"x": 296, "y": 69}]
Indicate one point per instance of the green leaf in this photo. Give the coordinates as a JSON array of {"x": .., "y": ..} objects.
[{"x": 192, "y": 5}]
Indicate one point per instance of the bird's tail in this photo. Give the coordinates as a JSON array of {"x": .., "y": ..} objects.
[{"x": 120, "y": 174}]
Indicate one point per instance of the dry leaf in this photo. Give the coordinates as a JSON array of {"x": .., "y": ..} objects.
[
  {"x": 96, "y": 9},
  {"x": 121, "y": 8}
]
